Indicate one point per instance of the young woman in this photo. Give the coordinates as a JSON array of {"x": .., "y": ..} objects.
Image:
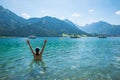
[{"x": 37, "y": 53}]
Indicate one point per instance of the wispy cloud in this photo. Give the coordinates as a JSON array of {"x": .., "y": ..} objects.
[
  {"x": 91, "y": 10},
  {"x": 117, "y": 12},
  {"x": 46, "y": 13},
  {"x": 95, "y": 20},
  {"x": 62, "y": 18},
  {"x": 25, "y": 15},
  {"x": 75, "y": 15}
]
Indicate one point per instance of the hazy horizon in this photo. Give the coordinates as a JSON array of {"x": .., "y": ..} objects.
[{"x": 78, "y": 11}]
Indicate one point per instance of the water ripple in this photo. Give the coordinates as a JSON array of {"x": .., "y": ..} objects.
[{"x": 66, "y": 59}]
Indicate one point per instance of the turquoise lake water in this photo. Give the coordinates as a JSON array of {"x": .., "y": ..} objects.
[{"x": 88, "y": 58}]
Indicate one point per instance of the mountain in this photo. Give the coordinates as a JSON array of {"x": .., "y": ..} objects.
[
  {"x": 102, "y": 27},
  {"x": 69, "y": 22},
  {"x": 13, "y": 25},
  {"x": 52, "y": 26},
  {"x": 10, "y": 23}
]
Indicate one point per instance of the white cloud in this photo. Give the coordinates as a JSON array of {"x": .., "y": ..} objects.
[
  {"x": 117, "y": 12},
  {"x": 91, "y": 10},
  {"x": 25, "y": 15},
  {"x": 46, "y": 13},
  {"x": 76, "y": 15},
  {"x": 62, "y": 18},
  {"x": 93, "y": 20}
]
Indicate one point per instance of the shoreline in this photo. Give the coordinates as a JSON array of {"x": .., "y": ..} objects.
[
  {"x": 10, "y": 37},
  {"x": 44, "y": 36},
  {"x": 25, "y": 37}
]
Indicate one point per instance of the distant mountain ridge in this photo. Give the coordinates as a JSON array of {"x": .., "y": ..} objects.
[
  {"x": 13, "y": 25},
  {"x": 102, "y": 27}
]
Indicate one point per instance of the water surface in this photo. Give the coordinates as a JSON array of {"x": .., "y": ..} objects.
[{"x": 63, "y": 59}]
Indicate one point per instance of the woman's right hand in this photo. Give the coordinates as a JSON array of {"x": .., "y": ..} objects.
[
  {"x": 28, "y": 41},
  {"x": 45, "y": 41}
]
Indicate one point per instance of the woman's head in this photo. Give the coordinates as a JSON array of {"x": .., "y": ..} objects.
[{"x": 37, "y": 51}]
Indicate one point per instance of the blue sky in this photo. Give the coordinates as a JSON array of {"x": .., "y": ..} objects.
[{"x": 81, "y": 12}]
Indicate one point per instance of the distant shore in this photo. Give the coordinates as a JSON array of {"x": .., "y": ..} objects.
[
  {"x": 9, "y": 37},
  {"x": 24, "y": 36},
  {"x": 44, "y": 36}
]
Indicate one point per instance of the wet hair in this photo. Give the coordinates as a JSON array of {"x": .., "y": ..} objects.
[{"x": 37, "y": 51}]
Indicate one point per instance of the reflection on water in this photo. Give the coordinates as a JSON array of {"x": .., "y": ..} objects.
[{"x": 66, "y": 59}]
